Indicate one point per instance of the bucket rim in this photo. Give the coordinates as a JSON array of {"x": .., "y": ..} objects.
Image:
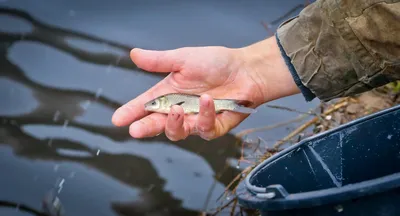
[
  {"x": 329, "y": 191},
  {"x": 329, "y": 195}
]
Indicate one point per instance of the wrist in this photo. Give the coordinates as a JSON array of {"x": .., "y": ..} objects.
[{"x": 265, "y": 63}]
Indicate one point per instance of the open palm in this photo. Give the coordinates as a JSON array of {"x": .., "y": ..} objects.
[{"x": 213, "y": 72}]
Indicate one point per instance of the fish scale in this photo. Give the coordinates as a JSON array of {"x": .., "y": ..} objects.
[{"x": 191, "y": 104}]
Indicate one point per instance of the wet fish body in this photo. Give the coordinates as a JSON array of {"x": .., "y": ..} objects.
[{"x": 191, "y": 104}]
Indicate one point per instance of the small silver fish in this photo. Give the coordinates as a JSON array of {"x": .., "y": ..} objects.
[{"x": 191, "y": 104}]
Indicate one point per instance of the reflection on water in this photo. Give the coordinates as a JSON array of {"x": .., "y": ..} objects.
[
  {"x": 58, "y": 90},
  {"x": 15, "y": 25},
  {"x": 64, "y": 127},
  {"x": 9, "y": 90}
]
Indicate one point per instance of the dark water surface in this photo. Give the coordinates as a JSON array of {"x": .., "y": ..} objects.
[{"x": 64, "y": 69}]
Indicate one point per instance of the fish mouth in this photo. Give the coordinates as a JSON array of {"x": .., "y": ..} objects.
[{"x": 148, "y": 107}]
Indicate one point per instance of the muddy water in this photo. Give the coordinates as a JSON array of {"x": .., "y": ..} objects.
[{"x": 64, "y": 69}]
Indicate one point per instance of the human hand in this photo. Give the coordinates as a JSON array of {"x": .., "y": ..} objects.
[{"x": 213, "y": 72}]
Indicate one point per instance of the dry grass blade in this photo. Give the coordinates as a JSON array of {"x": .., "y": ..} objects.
[
  {"x": 309, "y": 123},
  {"x": 234, "y": 207},
  {"x": 238, "y": 177},
  {"x": 287, "y": 14},
  {"x": 269, "y": 127},
  {"x": 223, "y": 207},
  {"x": 267, "y": 28},
  {"x": 292, "y": 110}
]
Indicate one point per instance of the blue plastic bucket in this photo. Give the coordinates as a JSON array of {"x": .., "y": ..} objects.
[{"x": 351, "y": 170}]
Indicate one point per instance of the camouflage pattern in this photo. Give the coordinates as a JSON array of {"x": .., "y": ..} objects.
[{"x": 344, "y": 47}]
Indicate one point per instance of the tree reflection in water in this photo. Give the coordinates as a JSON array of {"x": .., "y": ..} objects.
[{"x": 154, "y": 201}]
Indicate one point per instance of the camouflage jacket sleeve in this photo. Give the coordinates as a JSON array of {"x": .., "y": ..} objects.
[{"x": 337, "y": 48}]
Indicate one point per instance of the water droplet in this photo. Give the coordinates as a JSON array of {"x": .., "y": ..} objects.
[
  {"x": 56, "y": 116},
  {"x": 50, "y": 142},
  {"x": 52, "y": 204},
  {"x": 56, "y": 201},
  {"x": 389, "y": 136},
  {"x": 65, "y": 124},
  {"x": 60, "y": 185},
  {"x": 339, "y": 208},
  {"x": 150, "y": 187},
  {"x": 61, "y": 182},
  {"x": 98, "y": 152},
  {"x": 98, "y": 93}
]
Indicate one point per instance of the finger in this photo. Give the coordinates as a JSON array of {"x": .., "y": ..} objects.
[
  {"x": 206, "y": 118},
  {"x": 176, "y": 128},
  {"x": 158, "y": 61},
  {"x": 134, "y": 109},
  {"x": 149, "y": 126}
]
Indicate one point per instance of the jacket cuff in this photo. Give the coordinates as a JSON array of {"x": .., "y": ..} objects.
[
  {"x": 308, "y": 95},
  {"x": 341, "y": 48}
]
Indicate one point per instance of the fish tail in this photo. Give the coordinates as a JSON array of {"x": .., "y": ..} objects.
[
  {"x": 245, "y": 103},
  {"x": 240, "y": 106},
  {"x": 242, "y": 109}
]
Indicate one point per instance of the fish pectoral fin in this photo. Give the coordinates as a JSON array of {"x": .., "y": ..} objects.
[
  {"x": 179, "y": 103},
  {"x": 243, "y": 109}
]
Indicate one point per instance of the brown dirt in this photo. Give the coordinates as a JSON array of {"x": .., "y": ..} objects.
[{"x": 359, "y": 106}]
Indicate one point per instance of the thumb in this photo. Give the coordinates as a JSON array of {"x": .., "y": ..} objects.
[{"x": 158, "y": 61}]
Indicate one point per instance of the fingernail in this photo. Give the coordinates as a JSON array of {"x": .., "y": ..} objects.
[
  {"x": 136, "y": 49},
  {"x": 205, "y": 103}
]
